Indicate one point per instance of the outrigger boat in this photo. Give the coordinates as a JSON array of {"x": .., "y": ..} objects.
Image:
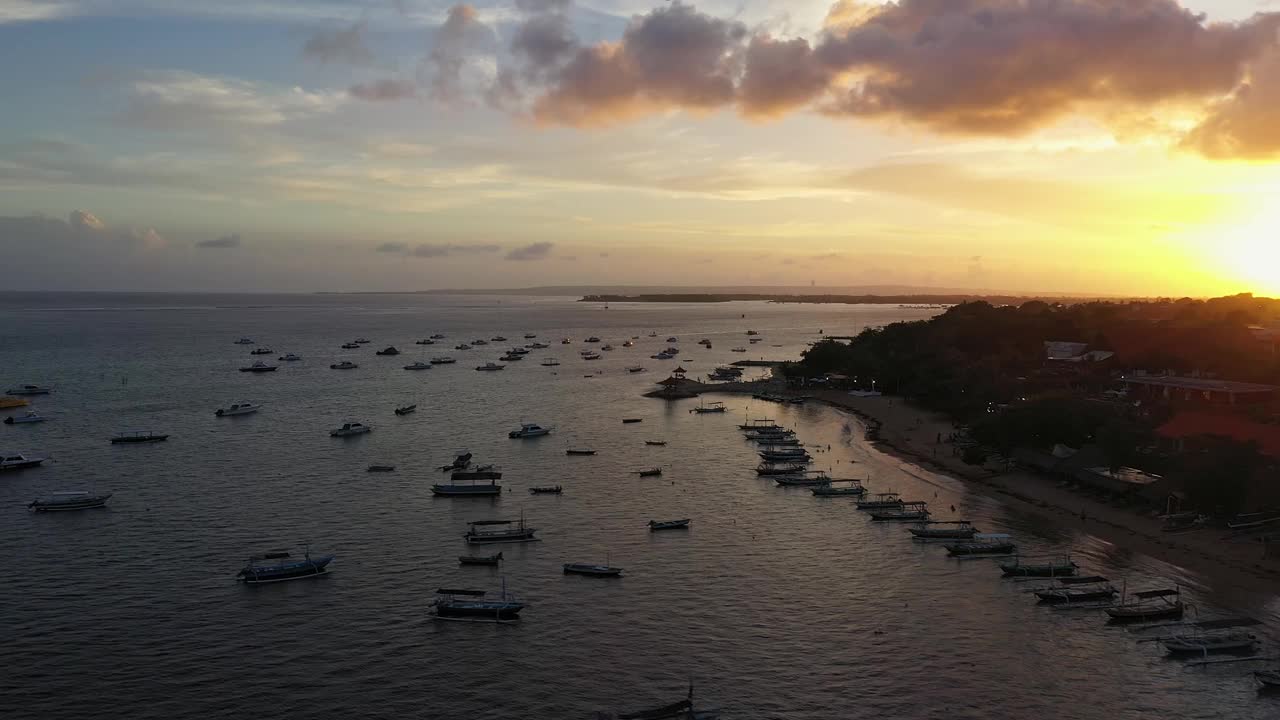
[
  {"x": 715, "y": 407},
  {"x": 259, "y": 571},
  {"x": 1148, "y": 605},
  {"x": 944, "y": 530},
  {"x": 1237, "y": 642},
  {"x": 480, "y": 559},
  {"x": 880, "y": 501},
  {"x": 1076, "y": 594},
  {"x": 454, "y": 489},
  {"x": 592, "y": 570},
  {"x": 488, "y": 532},
  {"x": 71, "y": 500},
  {"x": 806, "y": 479},
  {"x": 655, "y": 525},
  {"x": 471, "y": 606},
  {"x": 853, "y": 489},
  {"x": 1052, "y": 569},
  {"x": 770, "y": 469},
  {"x": 651, "y": 472},
  {"x": 912, "y": 511},
  {"x": 548, "y": 490},
  {"x": 141, "y": 436},
  {"x": 983, "y": 544}
]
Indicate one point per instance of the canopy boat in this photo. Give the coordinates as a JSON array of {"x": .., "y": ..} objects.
[
  {"x": 944, "y": 530},
  {"x": 489, "y": 532},
  {"x": 853, "y": 488},
  {"x": 381, "y": 468},
  {"x": 490, "y": 367},
  {"x": 30, "y": 390},
  {"x": 243, "y": 408},
  {"x": 656, "y": 443},
  {"x": 880, "y": 501},
  {"x": 592, "y": 570},
  {"x": 349, "y": 429},
  {"x": 471, "y": 605},
  {"x": 17, "y": 461},
  {"x": 445, "y": 360},
  {"x": 629, "y": 421},
  {"x": 655, "y": 525},
  {"x": 344, "y": 365},
  {"x": 480, "y": 559},
  {"x": 805, "y": 479},
  {"x": 459, "y": 462},
  {"x": 482, "y": 472},
  {"x": 651, "y": 472},
  {"x": 546, "y": 490},
  {"x": 771, "y": 469},
  {"x": 140, "y": 436},
  {"x": 911, "y": 511},
  {"x": 261, "y": 569},
  {"x": 259, "y": 367},
  {"x": 289, "y": 357},
  {"x": 1148, "y": 605},
  {"x": 1202, "y": 644},
  {"x": 457, "y": 489},
  {"x": 529, "y": 430},
  {"x": 29, "y": 417},
  {"x": 418, "y": 365},
  {"x": 777, "y": 442},
  {"x": 68, "y": 500},
  {"x": 761, "y": 424},
  {"x": 550, "y": 362},
  {"x": 405, "y": 410},
  {"x": 1077, "y": 593},
  {"x": 579, "y": 451},
  {"x": 983, "y": 544},
  {"x": 1052, "y": 569},
  {"x": 261, "y": 351},
  {"x": 350, "y": 346},
  {"x": 715, "y": 407}
]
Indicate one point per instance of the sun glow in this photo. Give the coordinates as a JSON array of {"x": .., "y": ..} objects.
[{"x": 1250, "y": 250}]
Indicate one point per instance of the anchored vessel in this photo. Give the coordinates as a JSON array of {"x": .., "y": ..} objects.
[
  {"x": 71, "y": 500},
  {"x": 473, "y": 606},
  {"x": 279, "y": 566},
  {"x": 944, "y": 530},
  {"x": 482, "y": 532},
  {"x": 455, "y": 488},
  {"x": 655, "y": 525},
  {"x": 141, "y": 436}
]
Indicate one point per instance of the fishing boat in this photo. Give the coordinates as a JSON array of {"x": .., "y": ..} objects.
[
  {"x": 775, "y": 442},
  {"x": 629, "y": 421},
  {"x": 852, "y": 488},
  {"x": 760, "y": 425},
  {"x": 715, "y": 407},
  {"x": 289, "y": 357},
  {"x": 579, "y": 451},
  {"x": 490, "y": 532},
  {"x": 457, "y": 488},
  {"x": 944, "y": 530},
  {"x": 656, "y": 443},
  {"x": 243, "y": 408},
  {"x": 459, "y": 462},
  {"x": 550, "y": 362},
  {"x": 546, "y": 490},
  {"x": 983, "y": 544},
  {"x": 770, "y": 469},
  {"x": 244, "y": 341},
  {"x": 880, "y": 501},
  {"x": 480, "y": 559},
  {"x": 350, "y": 346},
  {"x": 405, "y": 410},
  {"x": 259, "y": 367},
  {"x": 344, "y": 365},
  {"x": 480, "y": 472},
  {"x": 1051, "y": 569},
  {"x": 68, "y": 500},
  {"x": 17, "y": 461},
  {"x": 261, "y": 351},
  {"x": 490, "y": 367},
  {"x": 29, "y": 417},
  {"x": 592, "y": 570},
  {"x": 30, "y": 390},
  {"x": 279, "y": 566},
  {"x": 910, "y": 511},
  {"x": 8, "y": 403},
  {"x": 529, "y": 430},
  {"x": 1077, "y": 593},
  {"x": 655, "y": 525},
  {"x": 785, "y": 455},
  {"x": 590, "y": 356},
  {"x": 651, "y": 472},
  {"x": 418, "y": 365},
  {"x": 445, "y": 360},
  {"x": 1206, "y": 644},
  {"x": 1148, "y": 605},
  {"x": 139, "y": 436},
  {"x": 805, "y": 479},
  {"x": 350, "y": 429},
  {"x": 472, "y": 606}
]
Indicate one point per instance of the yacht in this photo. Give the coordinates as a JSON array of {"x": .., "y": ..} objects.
[
  {"x": 529, "y": 430},
  {"x": 60, "y": 501},
  {"x": 30, "y": 390},
  {"x": 490, "y": 367},
  {"x": 262, "y": 569},
  {"x": 138, "y": 436},
  {"x": 259, "y": 367},
  {"x": 350, "y": 346},
  {"x": 238, "y": 409},
  {"x": 30, "y": 417},
  {"x": 419, "y": 365},
  {"x": 289, "y": 357},
  {"x": 349, "y": 429},
  {"x": 18, "y": 461},
  {"x": 537, "y": 346},
  {"x": 445, "y": 360},
  {"x": 244, "y": 341},
  {"x": 344, "y": 365}
]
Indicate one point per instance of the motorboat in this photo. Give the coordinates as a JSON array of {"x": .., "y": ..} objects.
[
  {"x": 459, "y": 462},
  {"x": 529, "y": 430},
  {"x": 537, "y": 346},
  {"x": 350, "y": 429},
  {"x": 591, "y": 356},
  {"x": 498, "y": 338},
  {"x": 259, "y": 367},
  {"x": 656, "y": 443},
  {"x": 344, "y": 365},
  {"x": 380, "y": 468},
  {"x": 550, "y": 362},
  {"x": 139, "y": 436},
  {"x": 350, "y": 346},
  {"x": 425, "y": 341},
  {"x": 388, "y": 350},
  {"x": 68, "y": 500},
  {"x": 362, "y": 341},
  {"x": 489, "y": 532},
  {"x": 261, "y": 351},
  {"x": 672, "y": 339},
  {"x": 462, "y": 346},
  {"x": 944, "y": 530},
  {"x": 280, "y": 566},
  {"x": 983, "y": 544},
  {"x": 656, "y": 525},
  {"x": 660, "y": 356},
  {"x": 237, "y": 409},
  {"x": 30, "y": 390},
  {"x": 456, "y": 488},
  {"x": 480, "y": 559},
  {"x": 631, "y": 421},
  {"x": 705, "y": 341},
  {"x": 784, "y": 454},
  {"x": 651, "y": 472},
  {"x": 289, "y": 357},
  {"x": 418, "y": 365},
  {"x": 518, "y": 351},
  {"x": 18, "y": 461},
  {"x": 770, "y": 469},
  {"x": 244, "y": 341},
  {"x": 479, "y": 342},
  {"x": 29, "y": 417},
  {"x": 754, "y": 340},
  {"x": 1099, "y": 590},
  {"x": 406, "y": 409},
  {"x": 530, "y": 336},
  {"x": 473, "y": 606},
  {"x": 490, "y": 367},
  {"x": 511, "y": 358},
  {"x": 444, "y": 360},
  {"x": 546, "y": 490},
  {"x": 592, "y": 570}
]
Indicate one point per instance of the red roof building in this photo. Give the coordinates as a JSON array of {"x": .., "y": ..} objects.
[{"x": 1190, "y": 424}]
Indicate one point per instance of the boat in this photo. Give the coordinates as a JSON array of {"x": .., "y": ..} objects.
[
  {"x": 1077, "y": 593},
  {"x": 349, "y": 429},
  {"x": 537, "y": 346},
  {"x": 530, "y": 336},
  {"x": 1182, "y": 522},
  {"x": 479, "y": 342},
  {"x": 1269, "y": 679},
  {"x": 547, "y": 490},
  {"x": 607, "y": 348},
  {"x": 259, "y": 367},
  {"x": 261, "y": 351},
  {"x": 456, "y": 488},
  {"x": 651, "y": 472},
  {"x": 244, "y": 341},
  {"x": 754, "y": 340},
  {"x": 660, "y": 356},
  {"x": 592, "y": 569},
  {"x": 629, "y": 421},
  {"x": 715, "y": 407},
  {"x": 656, "y": 443},
  {"x": 418, "y": 365},
  {"x": 591, "y": 356},
  {"x": 776, "y": 441},
  {"x": 1202, "y": 644},
  {"x": 139, "y": 436},
  {"x": 592, "y": 339},
  {"x": 760, "y": 424},
  {"x": 880, "y": 501},
  {"x": 462, "y": 346},
  {"x": 480, "y": 559},
  {"x": 983, "y": 544},
  {"x": 566, "y": 341},
  {"x": 656, "y": 525},
  {"x": 944, "y": 530},
  {"x": 445, "y": 360},
  {"x": 738, "y": 349},
  {"x": 260, "y": 569},
  {"x": 8, "y": 403},
  {"x": 406, "y": 409},
  {"x": 1148, "y": 605},
  {"x": 853, "y": 489},
  {"x": 770, "y": 469},
  {"x": 511, "y": 358},
  {"x": 350, "y": 346},
  {"x": 805, "y": 479},
  {"x": 30, "y": 390},
  {"x": 1052, "y": 569},
  {"x": 344, "y": 365},
  {"x": 550, "y": 362},
  {"x": 911, "y": 511},
  {"x": 289, "y": 357},
  {"x": 362, "y": 341},
  {"x": 490, "y": 367},
  {"x": 529, "y": 430},
  {"x": 389, "y": 350},
  {"x": 488, "y": 532},
  {"x": 17, "y": 461},
  {"x": 628, "y": 343},
  {"x": 438, "y": 336},
  {"x": 472, "y": 606},
  {"x": 68, "y": 500},
  {"x": 673, "y": 339},
  {"x": 579, "y": 451},
  {"x": 705, "y": 341},
  {"x": 29, "y": 417},
  {"x": 238, "y": 409},
  {"x": 498, "y": 338},
  {"x": 785, "y": 455},
  {"x": 459, "y": 462},
  {"x": 381, "y": 468},
  {"x": 480, "y": 472},
  {"x": 636, "y": 369},
  {"x": 425, "y": 341},
  {"x": 752, "y": 332}
]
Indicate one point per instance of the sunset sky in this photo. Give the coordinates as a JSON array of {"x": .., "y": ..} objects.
[{"x": 1093, "y": 146}]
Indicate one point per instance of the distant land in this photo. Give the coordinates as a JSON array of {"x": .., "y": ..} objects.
[
  {"x": 934, "y": 298},
  {"x": 698, "y": 293}
]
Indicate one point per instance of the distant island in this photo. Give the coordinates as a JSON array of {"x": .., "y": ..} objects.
[{"x": 929, "y": 299}]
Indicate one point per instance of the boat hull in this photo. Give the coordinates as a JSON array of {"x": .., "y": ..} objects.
[
  {"x": 495, "y": 539},
  {"x": 138, "y": 440},
  {"x": 86, "y": 504},
  {"x": 466, "y": 490},
  {"x": 292, "y": 571},
  {"x": 592, "y": 570},
  {"x": 479, "y": 610}
]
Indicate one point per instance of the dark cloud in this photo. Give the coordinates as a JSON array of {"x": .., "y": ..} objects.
[
  {"x": 381, "y": 90},
  {"x": 780, "y": 76},
  {"x": 339, "y": 45},
  {"x": 543, "y": 42},
  {"x": 1246, "y": 124},
  {"x": 82, "y": 231},
  {"x": 536, "y": 251},
  {"x": 226, "y": 241}
]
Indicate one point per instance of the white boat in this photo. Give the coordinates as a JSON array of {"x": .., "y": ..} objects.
[
  {"x": 238, "y": 409},
  {"x": 30, "y": 390},
  {"x": 18, "y": 461},
  {"x": 419, "y": 365},
  {"x": 490, "y": 367},
  {"x": 591, "y": 356},
  {"x": 74, "y": 500},
  {"x": 444, "y": 360},
  {"x": 529, "y": 430},
  {"x": 349, "y": 429},
  {"x": 289, "y": 357},
  {"x": 30, "y": 417},
  {"x": 537, "y": 346},
  {"x": 344, "y": 365}
]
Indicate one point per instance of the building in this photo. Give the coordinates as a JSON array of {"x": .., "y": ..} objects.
[
  {"x": 1184, "y": 429},
  {"x": 1179, "y": 390}
]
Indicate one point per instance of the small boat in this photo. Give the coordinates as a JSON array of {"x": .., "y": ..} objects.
[
  {"x": 754, "y": 340},
  {"x": 785, "y": 455},
  {"x": 64, "y": 501},
  {"x": 479, "y": 342},
  {"x": 592, "y": 570},
  {"x": 425, "y": 342},
  {"x": 344, "y": 365},
  {"x": 445, "y": 360},
  {"x": 628, "y": 421},
  {"x": 636, "y": 369},
  {"x": 591, "y": 356},
  {"x": 389, "y": 350},
  {"x": 660, "y": 356},
  {"x": 656, "y": 443},
  {"x": 944, "y": 530},
  {"x": 548, "y": 490},
  {"x": 537, "y": 346},
  {"x": 628, "y": 343},
  {"x": 1053, "y": 569},
  {"x": 459, "y": 462},
  {"x": 362, "y": 341},
  {"x": 752, "y": 332},
  {"x": 471, "y": 606},
  {"x": 30, "y": 417},
  {"x": 738, "y": 349},
  {"x": 238, "y": 409},
  {"x": 244, "y": 341},
  {"x": 806, "y": 479},
  {"x": 655, "y": 525},
  {"x": 381, "y": 468},
  {"x": 480, "y": 472},
  {"x": 462, "y": 346},
  {"x": 983, "y": 544},
  {"x": 490, "y": 367},
  {"x": 140, "y": 436},
  {"x": 854, "y": 488},
  {"x": 1148, "y": 605},
  {"x": 488, "y": 532},
  {"x": 592, "y": 339},
  {"x": 438, "y": 336},
  {"x": 350, "y": 429},
  {"x": 19, "y": 462},
  {"x": 770, "y": 469},
  {"x": 880, "y": 501},
  {"x": 715, "y": 407},
  {"x": 912, "y": 511},
  {"x": 350, "y": 346},
  {"x": 607, "y": 348},
  {"x": 1200, "y": 644},
  {"x": 579, "y": 451},
  {"x": 672, "y": 339},
  {"x": 565, "y": 341},
  {"x": 259, "y": 367},
  {"x": 550, "y": 362},
  {"x": 530, "y": 336},
  {"x": 406, "y": 409},
  {"x": 480, "y": 559},
  {"x": 8, "y": 403},
  {"x": 1268, "y": 679},
  {"x": 518, "y": 351},
  {"x": 511, "y": 358},
  {"x": 289, "y": 357},
  {"x": 454, "y": 488},
  {"x": 418, "y": 365},
  {"x": 260, "y": 570},
  {"x": 1077, "y": 593},
  {"x": 651, "y": 472},
  {"x": 261, "y": 351},
  {"x": 529, "y": 430}
]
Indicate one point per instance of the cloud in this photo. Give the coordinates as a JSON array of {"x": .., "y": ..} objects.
[
  {"x": 435, "y": 250},
  {"x": 83, "y": 219},
  {"x": 535, "y": 251},
  {"x": 1247, "y": 123},
  {"x": 226, "y": 241},
  {"x": 384, "y": 89},
  {"x": 176, "y": 100},
  {"x": 82, "y": 232},
  {"x": 339, "y": 45},
  {"x": 456, "y": 44}
]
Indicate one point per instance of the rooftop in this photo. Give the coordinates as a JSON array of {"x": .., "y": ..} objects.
[{"x": 1200, "y": 384}]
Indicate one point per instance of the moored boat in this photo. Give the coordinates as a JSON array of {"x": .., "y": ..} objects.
[
  {"x": 381, "y": 468},
  {"x": 350, "y": 346},
  {"x": 656, "y": 443},
  {"x": 389, "y": 350},
  {"x": 655, "y": 525},
  {"x": 550, "y": 362},
  {"x": 473, "y": 606},
  {"x": 480, "y": 559},
  {"x": 260, "y": 568},
  {"x": 850, "y": 488},
  {"x": 579, "y": 451},
  {"x": 418, "y": 365},
  {"x": 1268, "y": 679},
  {"x": 910, "y": 511},
  {"x": 592, "y": 569},
  {"x": 804, "y": 479},
  {"x": 529, "y": 430},
  {"x": 715, "y": 407},
  {"x": 770, "y": 469},
  {"x": 443, "y": 360},
  {"x": 546, "y": 490},
  {"x": 1148, "y": 605},
  {"x": 30, "y": 390},
  {"x": 456, "y": 488},
  {"x": 944, "y": 530},
  {"x": 138, "y": 436},
  {"x": 406, "y": 409},
  {"x": 350, "y": 429},
  {"x": 18, "y": 461},
  {"x": 1206, "y": 644},
  {"x": 69, "y": 500},
  {"x": 631, "y": 421},
  {"x": 30, "y": 417},
  {"x": 459, "y": 462},
  {"x": 490, "y": 367},
  {"x": 651, "y": 472},
  {"x": 261, "y": 351},
  {"x": 490, "y": 532},
  {"x": 1077, "y": 593},
  {"x": 243, "y": 408},
  {"x": 344, "y": 365},
  {"x": 259, "y": 367},
  {"x": 289, "y": 357},
  {"x": 1052, "y": 569},
  {"x": 880, "y": 501},
  {"x": 983, "y": 544},
  {"x": 244, "y": 341},
  {"x": 481, "y": 472}
]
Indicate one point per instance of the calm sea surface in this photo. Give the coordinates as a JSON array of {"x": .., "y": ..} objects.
[{"x": 777, "y": 604}]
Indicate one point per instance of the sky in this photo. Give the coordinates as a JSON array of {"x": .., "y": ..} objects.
[{"x": 1111, "y": 147}]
